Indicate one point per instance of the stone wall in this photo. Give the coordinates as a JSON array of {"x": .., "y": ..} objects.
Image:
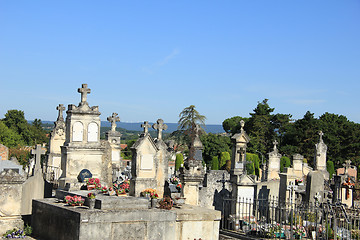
[{"x": 212, "y": 192}]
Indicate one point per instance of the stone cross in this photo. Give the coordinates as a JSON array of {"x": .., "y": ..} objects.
[
  {"x": 84, "y": 91},
  {"x": 37, "y": 152},
  {"x": 321, "y": 134},
  {"x": 146, "y": 126},
  {"x": 347, "y": 165},
  {"x": 291, "y": 187},
  {"x": 242, "y": 124},
  {"x": 275, "y": 144},
  {"x": 223, "y": 181},
  {"x": 61, "y": 108},
  {"x": 159, "y": 126},
  {"x": 113, "y": 119}
]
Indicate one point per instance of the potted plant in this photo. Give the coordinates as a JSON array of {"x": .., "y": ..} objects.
[
  {"x": 91, "y": 200},
  {"x": 74, "y": 200},
  {"x": 104, "y": 190},
  {"x": 166, "y": 203}
]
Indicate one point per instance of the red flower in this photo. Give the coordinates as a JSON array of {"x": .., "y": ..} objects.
[{"x": 97, "y": 180}]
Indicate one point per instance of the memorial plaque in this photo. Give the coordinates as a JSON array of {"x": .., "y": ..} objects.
[
  {"x": 85, "y": 173},
  {"x": 147, "y": 162},
  {"x": 78, "y": 131},
  {"x": 93, "y": 132}
]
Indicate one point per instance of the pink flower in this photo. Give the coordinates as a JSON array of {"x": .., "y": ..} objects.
[{"x": 97, "y": 180}]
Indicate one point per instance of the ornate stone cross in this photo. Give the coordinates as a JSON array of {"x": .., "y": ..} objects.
[
  {"x": 38, "y": 151},
  {"x": 84, "y": 91},
  {"x": 146, "y": 126},
  {"x": 159, "y": 126},
  {"x": 113, "y": 119},
  {"x": 61, "y": 108}
]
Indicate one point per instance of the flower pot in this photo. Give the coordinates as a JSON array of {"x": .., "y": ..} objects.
[
  {"x": 90, "y": 187},
  {"x": 91, "y": 203}
]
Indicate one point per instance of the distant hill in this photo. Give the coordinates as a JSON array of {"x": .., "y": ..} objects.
[{"x": 211, "y": 128}]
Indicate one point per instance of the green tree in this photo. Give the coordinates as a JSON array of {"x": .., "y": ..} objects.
[
  {"x": 9, "y": 137},
  {"x": 285, "y": 162},
  {"x": 188, "y": 119},
  {"x": 215, "y": 163},
  {"x": 214, "y": 145},
  {"x": 232, "y": 125},
  {"x": 254, "y": 162},
  {"x": 330, "y": 168},
  {"x": 15, "y": 120},
  {"x": 225, "y": 156},
  {"x": 179, "y": 161}
]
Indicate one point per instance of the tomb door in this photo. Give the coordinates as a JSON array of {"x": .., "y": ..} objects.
[
  {"x": 78, "y": 131},
  {"x": 93, "y": 132}
]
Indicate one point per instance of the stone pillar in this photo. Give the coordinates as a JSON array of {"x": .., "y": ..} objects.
[
  {"x": 114, "y": 137},
  {"x": 243, "y": 186},
  {"x": 274, "y": 164},
  {"x": 320, "y": 157},
  {"x": 192, "y": 174}
]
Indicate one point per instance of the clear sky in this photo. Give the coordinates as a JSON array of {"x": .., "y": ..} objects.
[{"x": 150, "y": 59}]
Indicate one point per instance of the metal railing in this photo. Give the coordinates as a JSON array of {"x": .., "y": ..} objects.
[{"x": 271, "y": 218}]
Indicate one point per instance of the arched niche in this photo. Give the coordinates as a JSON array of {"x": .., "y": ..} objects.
[
  {"x": 93, "y": 131},
  {"x": 78, "y": 132}
]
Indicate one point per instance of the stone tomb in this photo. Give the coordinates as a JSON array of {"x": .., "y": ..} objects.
[
  {"x": 10, "y": 200},
  {"x": 149, "y": 164},
  {"x": 121, "y": 218}
]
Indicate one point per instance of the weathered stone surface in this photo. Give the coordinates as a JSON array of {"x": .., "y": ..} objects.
[{"x": 55, "y": 221}]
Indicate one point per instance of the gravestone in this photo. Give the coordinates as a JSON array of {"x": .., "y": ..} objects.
[
  {"x": 192, "y": 174},
  {"x": 10, "y": 200},
  {"x": 274, "y": 163},
  {"x": 243, "y": 186},
  {"x": 57, "y": 139},
  {"x": 114, "y": 137},
  {"x": 314, "y": 184},
  {"x": 320, "y": 157},
  {"x": 33, "y": 188},
  {"x": 82, "y": 148},
  {"x": 149, "y": 162}
]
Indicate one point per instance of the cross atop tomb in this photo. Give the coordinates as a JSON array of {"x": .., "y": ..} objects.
[
  {"x": 275, "y": 144},
  {"x": 113, "y": 119},
  {"x": 347, "y": 165},
  {"x": 159, "y": 126},
  {"x": 242, "y": 124},
  {"x": 61, "y": 108},
  {"x": 84, "y": 90},
  {"x": 146, "y": 126},
  {"x": 321, "y": 134},
  {"x": 38, "y": 151}
]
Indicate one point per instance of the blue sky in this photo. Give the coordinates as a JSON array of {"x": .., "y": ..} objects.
[{"x": 150, "y": 59}]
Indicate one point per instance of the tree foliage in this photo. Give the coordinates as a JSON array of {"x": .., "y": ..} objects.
[
  {"x": 179, "y": 161},
  {"x": 225, "y": 156},
  {"x": 330, "y": 168},
  {"x": 300, "y": 136},
  {"x": 215, "y": 163},
  {"x": 285, "y": 162},
  {"x": 214, "y": 145},
  {"x": 254, "y": 164}
]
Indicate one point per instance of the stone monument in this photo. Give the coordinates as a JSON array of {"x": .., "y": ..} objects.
[
  {"x": 149, "y": 162},
  {"x": 274, "y": 163},
  {"x": 82, "y": 148},
  {"x": 192, "y": 174},
  {"x": 320, "y": 157},
  {"x": 114, "y": 137}
]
